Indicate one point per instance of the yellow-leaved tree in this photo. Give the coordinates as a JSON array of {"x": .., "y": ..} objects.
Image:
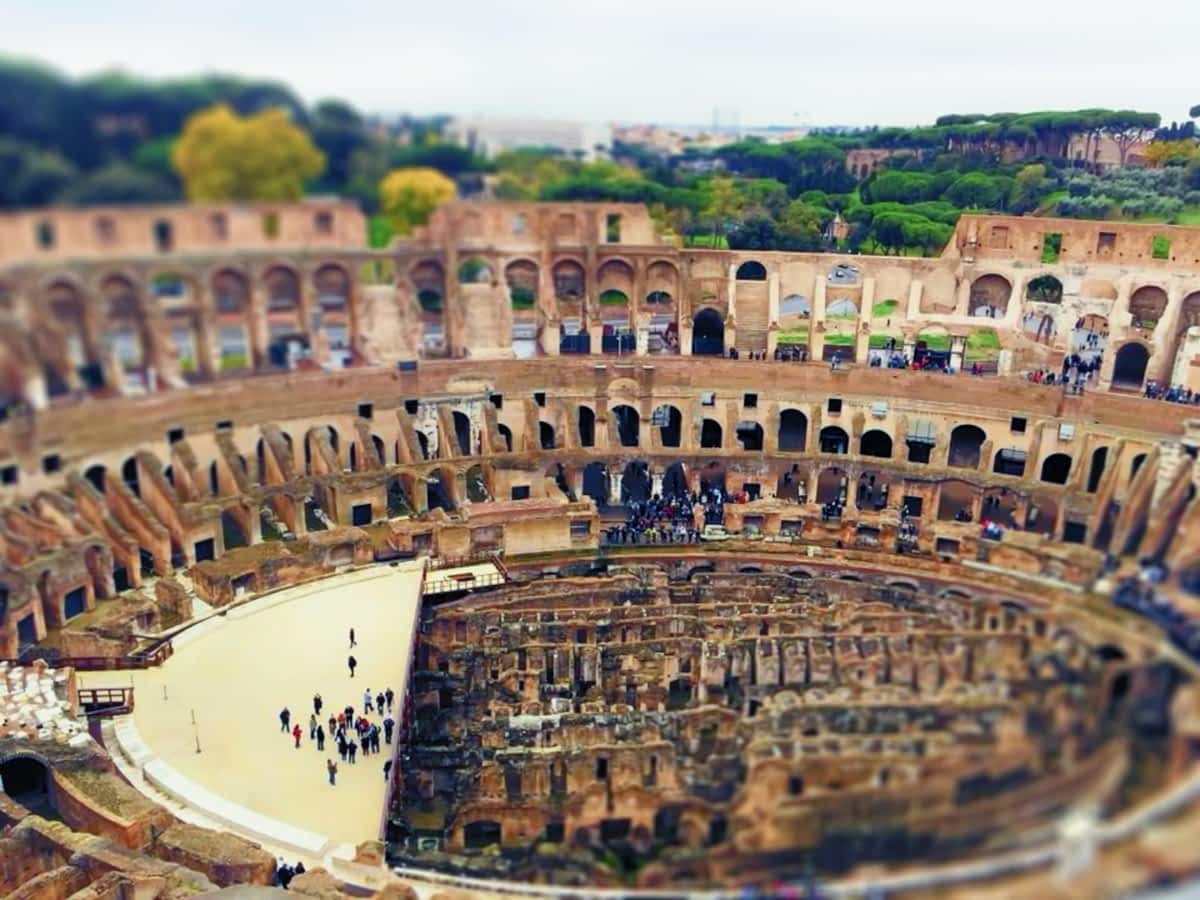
[
  {"x": 224, "y": 157},
  {"x": 408, "y": 196}
]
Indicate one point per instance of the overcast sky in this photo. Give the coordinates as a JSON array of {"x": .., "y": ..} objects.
[{"x": 666, "y": 61}]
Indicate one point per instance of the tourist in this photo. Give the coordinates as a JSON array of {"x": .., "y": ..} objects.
[
  {"x": 353, "y": 642},
  {"x": 297, "y": 734},
  {"x": 352, "y": 662},
  {"x": 374, "y": 738},
  {"x": 332, "y": 724},
  {"x": 317, "y": 703},
  {"x": 379, "y": 703},
  {"x": 320, "y": 738},
  {"x": 388, "y": 724},
  {"x": 387, "y": 769},
  {"x": 389, "y": 696},
  {"x": 342, "y": 745},
  {"x": 300, "y": 870},
  {"x": 285, "y": 718},
  {"x": 331, "y": 768},
  {"x": 312, "y": 727},
  {"x": 352, "y": 749},
  {"x": 368, "y": 701}
]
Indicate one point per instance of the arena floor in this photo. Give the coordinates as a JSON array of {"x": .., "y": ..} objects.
[{"x": 278, "y": 651}]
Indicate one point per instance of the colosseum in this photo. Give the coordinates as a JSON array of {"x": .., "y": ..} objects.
[{"x": 659, "y": 571}]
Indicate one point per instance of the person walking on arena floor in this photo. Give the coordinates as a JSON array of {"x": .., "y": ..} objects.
[
  {"x": 389, "y": 696},
  {"x": 297, "y": 734},
  {"x": 352, "y": 662},
  {"x": 352, "y": 748},
  {"x": 388, "y": 724},
  {"x": 331, "y": 768},
  {"x": 379, "y": 703},
  {"x": 367, "y": 701},
  {"x": 285, "y": 716},
  {"x": 353, "y": 642},
  {"x": 387, "y": 769},
  {"x": 317, "y": 704},
  {"x": 312, "y": 727}
]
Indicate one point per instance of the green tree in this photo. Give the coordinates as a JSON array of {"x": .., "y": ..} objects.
[
  {"x": 978, "y": 190},
  {"x": 338, "y": 130},
  {"x": 121, "y": 183},
  {"x": 724, "y": 203},
  {"x": 223, "y": 157},
  {"x": 408, "y": 196}
]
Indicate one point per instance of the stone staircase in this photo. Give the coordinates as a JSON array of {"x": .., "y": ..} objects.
[{"x": 751, "y": 320}]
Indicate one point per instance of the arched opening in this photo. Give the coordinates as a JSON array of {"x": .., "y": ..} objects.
[
  {"x": 1056, "y": 468},
  {"x": 66, "y": 307},
  {"x": 283, "y": 303},
  {"x": 95, "y": 475},
  {"x": 1009, "y": 461},
  {"x": 669, "y": 422},
  {"x": 710, "y": 434},
  {"x": 1096, "y": 470},
  {"x": 751, "y": 270},
  {"x": 628, "y": 425},
  {"x": 956, "y": 500},
  {"x": 354, "y": 457},
  {"x": 1147, "y": 305},
  {"x": 989, "y": 296},
  {"x": 658, "y": 298},
  {"x": 595, "y": 483},
  {"x": 380, "y": 451},
  {"x": 1042, "y": 515},
  {"x": 834, "y": 440},
  {"x": 27, "y": 781},
  {"x": 876, "y": 442},
  {"x": 1129, "y": 367},
  {"x": 587, "y": 427},
  {"x": 1135, "y": 464},
  {"x": 429, "y": 282},
  {"x": 842, "y": 308},
  {"x": 1040, "y": 327},
  {"x": 477, "y": 491},
  {"x": 712, "y": 477},
  {"x": 478, "y": 835},
  {"x": 422, "y": 446},
  {"x": 439, "y": 489},
  {"x": 546, "y": 435},
  {"x": 793, "y": 430},
  {"x": 750, "y": 436},
  {"x": 129, "y": 474},
  {"x": 521, "y": 276},
  {"x": 708, "y": 334},
  {"x": 570, "y": 281},
  {"x": 399, "y": 503},
  {"x": 635, "y": 483},
  {"x": 123, "y": 330},
  {"x": 231, "y": 296},
  {"x": 331, "y": 312},
  {"x": 1000, "y": 506},
  {"x": 675, "y": 481},
  {"x": 462, "y": 433},
  {"x": 966, "y": 446},
  {"x": 831, "y": 487},
  {"x": 474, "y": 270},
  {"x": 506, "y": 436},
  {"x": 1044, "y": 289},
  {"x": 790, "y": 485}
]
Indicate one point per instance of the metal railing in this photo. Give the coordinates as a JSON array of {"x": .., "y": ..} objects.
[{"x": 106, "y": 701}]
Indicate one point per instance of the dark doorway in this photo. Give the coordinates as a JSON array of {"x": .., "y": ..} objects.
[
  {"x": 75, "y": 603},
  {"x": 587, "y": 427},
  {"x": 27, "y": 782},
  {"x": 1129, "y": 369},
  {"x": 205, "y": 550},
  {"x": 478, "y": 835},
  {"x": 708, "y": 334},
  {"x": 595, "y": 482}
]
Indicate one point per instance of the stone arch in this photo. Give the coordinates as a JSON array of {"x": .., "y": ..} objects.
[
  {"x": 587, "y": 426},
  {"x": 96, "y": 475},
  {"x": 635, "y": 482},
  {"x": 1056, "y": 468},
  {"x": 794, "y": 306},
  {"x": 749, "y": 436},
  {"x": 793, "y": 430},
  {"x": 522, "y": 276},
  {"x": 546, "y": 436},
  {"x": 595, "y": 482},
  {"x": 669, "y": 421},
  {"x": 662, "y": 282},
  {"x": 675, "y": 483},
  {"x": 842, "y": 308},
  {"x": 966, "y": 446},
  {"x": 1129, "y": 365},
  {"x": 64, "y": 302},
  {"x": 751, "y": 270},
  {"x": 1044, "y": 289},
  {"x": 1147, "y": 305},
  {"x": 833, "y": 483},
  {"x": 834, "y": 439},
  {"x": 1096, "y": 469},
  {"x": 990, "y": 295},
  {"x": 628, "y": 422},
  {"x": 615, "y": 275},
  {"x": 790, "y": 484},
  {"x": 231, "y": 297},
  {"x": 123, "y": 330},
  {"x": 708, "y": 333},
  {"x": 283, "y": 301},
  {"x": 710, "y": 434},
  {"x": 475, "y": 270},
  {"x": 26, "y": 779},
  {"x": 334, "y": 304},
  {"x": 953, "y": 498},
  {"x": 462, "y": 433},
  {"x": 476, "y": 483},
  {"x": 439, "y": 485},
  {"x": 507, "y": 436},
  {"x": 570, "y": 281},
  {"x": 875, "y": 442},
  {"x": 131, "y": 476}
]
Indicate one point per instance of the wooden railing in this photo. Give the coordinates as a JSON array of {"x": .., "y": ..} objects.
[
  {"x": 106, "y": 701},
  {"x": 142, "y": 659}
]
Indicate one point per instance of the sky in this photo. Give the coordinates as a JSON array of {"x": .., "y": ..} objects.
[{"x": 748, "y": 63}]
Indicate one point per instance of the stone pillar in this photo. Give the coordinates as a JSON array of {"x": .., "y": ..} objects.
[
  {"x": 862, "y": 336},
  {"x": 915, "y": 289},
  {"x": 816, "y": 333},
  {"x": 773, "y": 298},
  {"x": 732, "y": 289},
  {"x": 962, "y": 299},
  {"x": 1161, "y": 365},
  {"x": 259, "y": 333},
  {"x": 656, "y": 483},
  {"x": 614, "y": 487}
]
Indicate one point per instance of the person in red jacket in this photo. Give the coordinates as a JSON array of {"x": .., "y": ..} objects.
[{"x": 296, "y": 732}]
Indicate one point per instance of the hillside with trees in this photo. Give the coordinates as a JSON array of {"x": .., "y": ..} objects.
[{"x": 114, "y": 138}]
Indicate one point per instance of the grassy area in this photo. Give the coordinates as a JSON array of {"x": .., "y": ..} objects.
[
  {"x": 613, "y": 298},
  {"x": 935, "y": 341},
  {"x": 840, "y": 340},
  {"x": 231, "y": 361},
  {"x": 792, "y": 336},
  {"x": 982, "y": 345},
  {"x": 706, "y": 240},
  {"x": 879, "y": 341},
  {"x": 1049, "y": 203},
  {"x": 884, "y": 309}
]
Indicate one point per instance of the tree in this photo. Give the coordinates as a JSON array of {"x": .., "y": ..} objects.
[
  {"x": 121, "y": 183},
  {"x": 724, "y": 203},
  {"x": 978, "y": 190},
  {"x": 224, "y": 157},
  {"x": 1128, "y": 126},
  {"x": 1027, "y": 188},
  {"x": 338, "y": 130},
  {"x": 1165, "y": 153},
  {"x": 408, "y": 196},
  {"x": 1194, "y": 112}
]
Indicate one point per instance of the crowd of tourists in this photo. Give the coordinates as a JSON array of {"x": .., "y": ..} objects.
[
  {"x": 1173, "y": 394},
  {"x": 669, "y": 518}
]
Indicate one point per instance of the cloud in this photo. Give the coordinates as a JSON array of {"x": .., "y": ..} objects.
[{"x": 876, "y": 61}]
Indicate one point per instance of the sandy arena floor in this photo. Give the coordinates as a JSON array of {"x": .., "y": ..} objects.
[{"x": 237, "y": 677}]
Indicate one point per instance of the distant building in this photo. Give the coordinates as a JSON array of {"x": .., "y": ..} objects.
[{"x": 488, "y": 136}]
